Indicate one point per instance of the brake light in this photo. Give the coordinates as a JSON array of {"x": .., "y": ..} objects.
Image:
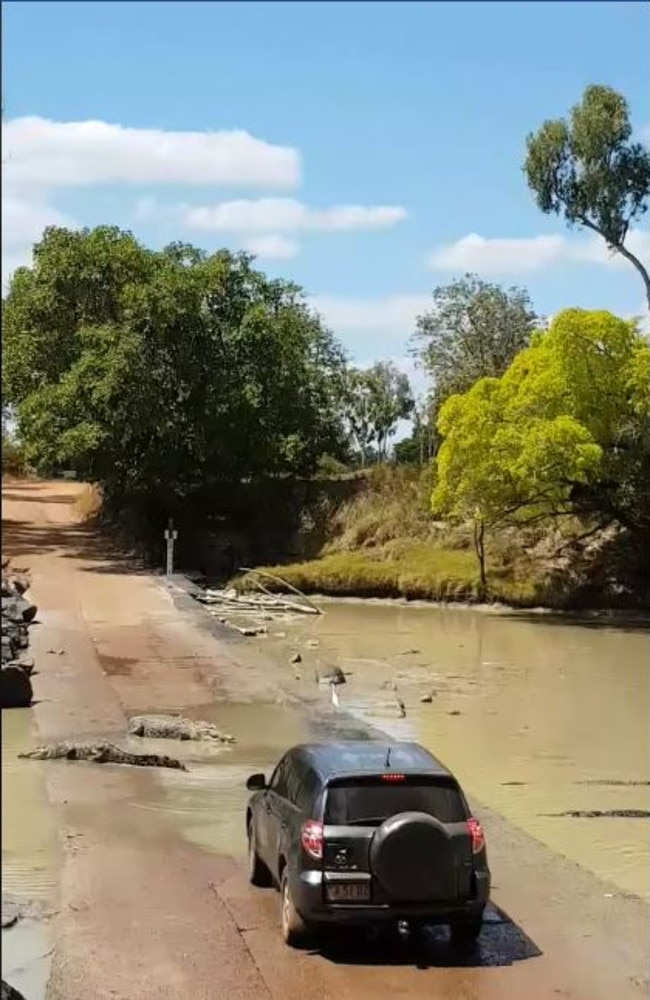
[
  {"x": 311, "y": 838},
  {"x": 477, "y": 835},
  {"x": 392, "y": 777}
]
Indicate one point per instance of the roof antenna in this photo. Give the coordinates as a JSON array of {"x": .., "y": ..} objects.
[{"x": 388, "y": 758}]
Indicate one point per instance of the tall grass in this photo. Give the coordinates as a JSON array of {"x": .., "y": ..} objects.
[
  {"x": 385, "y": 543},
  {"x": 89, "y": 502}
]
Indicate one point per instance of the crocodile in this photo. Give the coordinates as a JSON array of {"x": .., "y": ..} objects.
[
  {"x": 172, "y": 727},
  {"x": 101, "y": 753}
]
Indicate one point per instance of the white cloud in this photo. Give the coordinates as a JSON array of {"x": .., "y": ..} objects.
[
  {"x": 596, "y": 251},
  {"x": 498, "y": 256},
  {"x": 519, "y": 256},
  {"x": 23, "y": 222},
  {"x": 388, "y": 315},
  {"x": 404, "y": 363},
  {"x": 272, "y": 247},
  {"x": 40, "y": 156},
  {"x": 53, "y": 154},
  {"x": 272, "y": 215}
]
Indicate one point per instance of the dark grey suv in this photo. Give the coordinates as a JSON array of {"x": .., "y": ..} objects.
[{"x": 367, "y": 833}]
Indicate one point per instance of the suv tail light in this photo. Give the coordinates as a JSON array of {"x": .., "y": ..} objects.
[
  {"x": 476, "y": 833},
  {"x": 311, "y": 838}
]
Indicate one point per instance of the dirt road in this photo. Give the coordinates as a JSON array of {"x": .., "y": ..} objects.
[{"x": 144, "y": 912}]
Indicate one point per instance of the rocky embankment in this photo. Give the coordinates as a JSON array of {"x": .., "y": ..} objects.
[
  {"x": 10, "y": 993},
  {"x": 18, "y": 614}
]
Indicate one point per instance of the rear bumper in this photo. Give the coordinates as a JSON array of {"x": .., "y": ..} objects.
[{"x": 307, "y": 890}]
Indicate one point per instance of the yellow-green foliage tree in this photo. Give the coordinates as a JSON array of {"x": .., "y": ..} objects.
[{"x": 565, "y": 430}]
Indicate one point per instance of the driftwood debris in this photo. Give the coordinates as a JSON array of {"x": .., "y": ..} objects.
[
  {"x": 246, "y": 612},
  {"x": 101, "y": 753},
  {"x": 308, "y": 607}
]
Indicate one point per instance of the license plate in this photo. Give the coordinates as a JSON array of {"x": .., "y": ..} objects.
[{"x": 348, "y": 892}]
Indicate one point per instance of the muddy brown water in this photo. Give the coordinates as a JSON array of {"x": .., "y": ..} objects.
[
  {"x": 207, "y": 803},
  {"x": 525, "y": 709},
  {"x": 28, "y": 859}
]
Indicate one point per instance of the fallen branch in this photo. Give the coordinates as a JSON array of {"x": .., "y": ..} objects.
[{"x": 283, "y": 583}]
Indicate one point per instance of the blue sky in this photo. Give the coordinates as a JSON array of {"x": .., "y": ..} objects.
[{"x": 384, "y": 145}]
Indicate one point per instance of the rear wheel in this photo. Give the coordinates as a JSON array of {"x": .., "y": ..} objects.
[
  {"x": 258, "y": 873},
  {"x": 295, "y": 930},
  {"x": 465, "y": 930}
]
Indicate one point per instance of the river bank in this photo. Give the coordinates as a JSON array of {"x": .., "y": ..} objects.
[
  {"x": 383, "y": 543},
  {"x": 151, "y": 896},
  {"x": 431, "y": 573}
]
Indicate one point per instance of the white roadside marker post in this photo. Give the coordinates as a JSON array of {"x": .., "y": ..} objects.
[{"x": 170, "y": 537}]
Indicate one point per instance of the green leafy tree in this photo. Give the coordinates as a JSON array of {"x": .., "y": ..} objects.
[
  {"x": 473, "y": 331},
  {"x": 420, "y": 447},
  {"x": 589, "y": 170},
  {"x": 377, "y": 399},
  {"x": 151, "y": 370},
  {"x": 565, "y": 430}
]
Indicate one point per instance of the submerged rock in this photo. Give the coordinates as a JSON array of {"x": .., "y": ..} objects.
[
  {"x": 10, "y": 993},
  {"x": 101, "y": 753},
  {"x": 17, "y": 609},
  {"x": 10, "y": 915},
  {"x": 172, "y": 727},
  {"x": 331, "y": 675},
  {"x": 15, "y": 687}
]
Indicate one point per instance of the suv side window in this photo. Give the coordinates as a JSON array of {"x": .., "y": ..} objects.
[
  {"x": 307, "y": 793},
  {"x": 278, "y": 783},
  {"x": 294, "y": 781}
]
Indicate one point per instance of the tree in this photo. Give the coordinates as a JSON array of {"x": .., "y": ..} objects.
[
  {"x": 165, "y": 370},
  {"x": 474, "y": 330},
  {"x": 421, "y": 446},
  {"x": 588, "y": 170},
  {"x": 377, "y": 398},
  {"x": 563, "y": 431}
]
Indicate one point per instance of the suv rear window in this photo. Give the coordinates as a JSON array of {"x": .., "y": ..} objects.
[{"x": 374, "y": 800}]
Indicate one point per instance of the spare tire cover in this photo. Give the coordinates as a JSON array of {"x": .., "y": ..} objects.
[{"x": 412, "y": 859}]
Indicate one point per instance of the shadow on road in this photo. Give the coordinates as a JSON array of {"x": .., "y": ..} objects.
[
  {"x": 80, "y": 541},
  {"x": 27, "y": 497},
  {"x": 501, "y": 943}
]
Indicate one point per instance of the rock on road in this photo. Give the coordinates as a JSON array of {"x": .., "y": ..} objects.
[{"x": 144, "y": 914}]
